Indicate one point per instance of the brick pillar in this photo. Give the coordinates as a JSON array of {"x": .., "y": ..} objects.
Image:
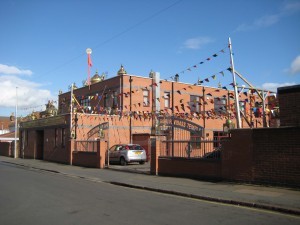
[
  {"x": 71, "y": 148},
  {"x": 155, "y": 152},
  {"x": 101, "y": 153}
]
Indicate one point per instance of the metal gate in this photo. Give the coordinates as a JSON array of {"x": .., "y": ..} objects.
[
  {"x": 99, "y": 132},
  {"x": 184, "y": 139}
]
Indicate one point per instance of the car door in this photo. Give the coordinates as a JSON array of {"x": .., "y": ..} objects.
[
  {"x": 112, "y": 153},
  {"x": 115, "y": 153},
  {"x": 118, "y": 152}
]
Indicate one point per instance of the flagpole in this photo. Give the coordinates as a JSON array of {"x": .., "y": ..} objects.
[
  {"x": 89, "y": 52},
  {"x": 236, "y": 95}
]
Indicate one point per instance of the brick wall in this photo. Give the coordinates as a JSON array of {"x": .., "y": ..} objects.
[
  {"x": 6, "y": 149},
  {"x": 264, "y": 155},
  {"x": 208, "y": 169},
  {"x": 276, "y": 156},
  {"x": 55, "y": 152},
  {"x": 289, "y": 103},
  {"x": 85, "y": 159},
  {"x": 237, "y": 156},
  {"x": 91, "y": 159}
]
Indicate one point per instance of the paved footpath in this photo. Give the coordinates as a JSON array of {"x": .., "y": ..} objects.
[{"x": 278, "y": 199}]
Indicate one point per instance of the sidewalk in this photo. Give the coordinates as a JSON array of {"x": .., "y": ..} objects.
[{"x": 271, "y": 198}]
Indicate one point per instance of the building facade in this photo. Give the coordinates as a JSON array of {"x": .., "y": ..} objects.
[{"x": 124, "y": 107}]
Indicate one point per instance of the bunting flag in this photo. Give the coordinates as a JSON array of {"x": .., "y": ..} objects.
[
  {"x": 188, "y": 69},
  {"x": 181, "y": 107},
  {"x": 212, "y": 76}
]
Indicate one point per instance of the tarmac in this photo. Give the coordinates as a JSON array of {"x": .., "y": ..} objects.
[{"x": 278, "y": 199}]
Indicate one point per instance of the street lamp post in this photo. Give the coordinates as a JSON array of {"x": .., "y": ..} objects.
[{"x": 16, "y": 124}]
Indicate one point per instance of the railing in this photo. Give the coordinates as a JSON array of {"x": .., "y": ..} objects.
[
  {"x": 85, "y": 146},
  {"x": 206, "y": 149}
]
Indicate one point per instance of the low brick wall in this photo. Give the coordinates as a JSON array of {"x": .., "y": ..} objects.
[
  {"x": 85, "y": 159},
  {"x": 263, "y": 156},
  {"x": 207, "y": 169},
  {"x": 91, "y": 159},
  {"x": 5, "y": 149}
]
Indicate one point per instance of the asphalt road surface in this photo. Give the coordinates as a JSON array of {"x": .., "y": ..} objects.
[{"x": 29, "y": 196}]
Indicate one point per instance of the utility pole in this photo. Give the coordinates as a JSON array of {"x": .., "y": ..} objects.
[
  {"x": 130, "y": 109},
  {"x": 236, "y": 95},
  {"x": 71, "y": 111}
]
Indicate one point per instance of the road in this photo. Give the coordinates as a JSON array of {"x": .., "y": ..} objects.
[{"x": 31, "y": 196}]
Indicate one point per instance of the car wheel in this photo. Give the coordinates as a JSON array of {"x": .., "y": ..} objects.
[
  {"x": 142, "y": 162},
  {"x": 123, "y": 161}
]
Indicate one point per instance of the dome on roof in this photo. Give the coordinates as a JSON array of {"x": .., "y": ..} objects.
[
  {"x": 122, "y": 71},
  {"x": 96, "y": 78},
  {"x": 151, "y": 74}
]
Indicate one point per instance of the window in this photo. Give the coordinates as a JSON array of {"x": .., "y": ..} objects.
[
  {"x": 220, "y": 105},
  {"x": 26, "y": 138},
  {"x": 85, "y": 102},
  {"x": 115, "y": 100},
  {"x": 146, "y": 101},
  {"x": 167, "y": 99},
  {"x": 218, "y": 136},
  {"x": 194, "y": 103},
  {"x": 63, "y": 137},
  {"x": 55, "y": 137},
  {"x": 107, "y": 100},
  {"x": 196, "y": 139}
]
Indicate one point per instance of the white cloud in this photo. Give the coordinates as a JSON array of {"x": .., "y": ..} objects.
[
  {"x": 273, "y": 86},
  {"x": 295, "y": 66},
  {"x": 31, "y": 97},
  {"x": 12, "y": 70},
  {"x": 197, "y": 43},
  {"x": 262, "y": 22},
  {"x": 291, "y": 7},
  {"x": 269, "y": 20}
]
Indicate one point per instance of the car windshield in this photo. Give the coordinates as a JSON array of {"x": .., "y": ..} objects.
[{"x": 133, "y": 147}]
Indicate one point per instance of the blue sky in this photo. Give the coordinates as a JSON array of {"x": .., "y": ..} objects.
[{"x": 43, "y": 43}]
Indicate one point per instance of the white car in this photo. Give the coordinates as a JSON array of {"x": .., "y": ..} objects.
[{"x": 127, "y": 153}]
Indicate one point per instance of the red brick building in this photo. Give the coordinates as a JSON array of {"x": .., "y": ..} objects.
[
  {"x": 128, "y": 108},
  {"x": 137, "y": 99}
]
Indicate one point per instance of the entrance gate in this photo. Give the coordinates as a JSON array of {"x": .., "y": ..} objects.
[
  {"x": 183, "y": 139},
  {"x": 99, "y": 132}
]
